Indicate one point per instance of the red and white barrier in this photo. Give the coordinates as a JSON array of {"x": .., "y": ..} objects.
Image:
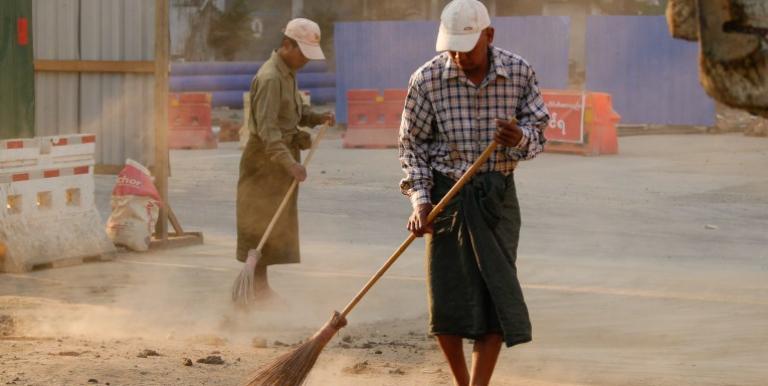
[
  {"x": 48, "y": 215},
  {"x": 19, "y": 152},
  {"x": 581, "y": 123}
]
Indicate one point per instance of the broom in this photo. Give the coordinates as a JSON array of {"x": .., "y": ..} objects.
[
  {"x": 243, "y": 292},
  {"x": 291, "y": 369}
]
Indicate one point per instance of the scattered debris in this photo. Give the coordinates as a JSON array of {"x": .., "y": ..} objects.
[
  {"x": 397, "y": 371},
  {"x": 758, "y": 128},
  {"x": 7, "y": 325},
  {"x": 344, "y": 345},
  {"x": 378, "y": 352},
  {"x": 367, "y": 345},
  {"x": 93, "y": 380},
  {"x": 148, "y": 353},
  {"x": 258, "y": 342},
  {"x": 281, "y": 344},
  {"x": 69, "y": 354},
  {"x": 211, "y": 360},
  {"x": 358, "y": 368},
  {"x": 187, "y": 362},
  {"x": 347, "y": 339}
]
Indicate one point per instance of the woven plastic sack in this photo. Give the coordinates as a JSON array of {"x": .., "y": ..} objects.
[{"x": 135, "y": 208}]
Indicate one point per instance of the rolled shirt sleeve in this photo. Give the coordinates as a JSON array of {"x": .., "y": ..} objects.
[
  {"x": 310, "y": 117},
  {"x": 532, "y": 118}
]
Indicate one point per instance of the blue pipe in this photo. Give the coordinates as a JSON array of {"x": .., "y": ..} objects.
[
  {"x": 233, "y": 68},
  {"x": 234, "y": 99},
  {"x": 242, "y": 82}
]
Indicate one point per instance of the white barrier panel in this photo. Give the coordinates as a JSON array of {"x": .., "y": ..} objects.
[
  {"x": 15, "y": 153},
  {"x": 48, "y": 216},
  {"x": 63, "y": 150}
]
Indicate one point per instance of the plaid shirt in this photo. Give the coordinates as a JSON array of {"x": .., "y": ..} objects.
[{"x": 448, "y": 121}]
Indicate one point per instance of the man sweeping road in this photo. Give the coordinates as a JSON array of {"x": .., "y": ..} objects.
[
  {"x": 270, "y": 161},
  {"x": 457, "y": 103}
]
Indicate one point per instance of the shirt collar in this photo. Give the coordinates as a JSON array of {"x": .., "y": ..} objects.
[
  {"x": 280, "y": 63},
  {"x": 497, "y": 65}
]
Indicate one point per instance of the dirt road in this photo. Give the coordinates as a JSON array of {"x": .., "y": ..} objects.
[{"x": 647, "y": 268}]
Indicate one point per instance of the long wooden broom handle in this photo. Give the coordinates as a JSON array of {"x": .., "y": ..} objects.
[
  {"x": 435, "y": 211},
  {"x": 291, "y": 189}
]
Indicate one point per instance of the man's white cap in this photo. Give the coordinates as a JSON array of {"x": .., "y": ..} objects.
[
  {"x": 307, "y": 33},
  {"x": 461, "y": 23}
]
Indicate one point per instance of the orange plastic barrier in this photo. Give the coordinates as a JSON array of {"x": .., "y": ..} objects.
[
  {"x": 373, "y": 119},
  {"x": 581, "y": 123},
  {"x": 189, "y": 121}
]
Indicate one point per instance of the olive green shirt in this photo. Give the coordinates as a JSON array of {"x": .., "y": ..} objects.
[{"x": 277, "y": 109}]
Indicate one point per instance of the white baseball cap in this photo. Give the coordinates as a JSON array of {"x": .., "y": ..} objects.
[
  {"x": 461, "y": 23},
  {"x": 307, "y": 33}
]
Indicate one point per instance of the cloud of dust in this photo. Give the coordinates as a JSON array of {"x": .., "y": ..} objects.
[{"x": 161, "y": 304}]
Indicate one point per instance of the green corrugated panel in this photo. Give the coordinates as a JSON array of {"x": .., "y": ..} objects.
[{"x": 17, "y": 72}]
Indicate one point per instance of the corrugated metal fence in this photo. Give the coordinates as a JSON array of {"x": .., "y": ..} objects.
[{"x": 118, "y": 108}]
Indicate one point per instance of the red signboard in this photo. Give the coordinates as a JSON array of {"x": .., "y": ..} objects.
[
  {"x": 22, "y": 31},
  {"x": 566, "y": 111}
]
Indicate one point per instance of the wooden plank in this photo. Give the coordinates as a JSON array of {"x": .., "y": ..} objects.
[
  {"x": 72, "y": 261},
  {"x": 162, "y": 37},
  {"x": 101, "y": 66},
  {"x": 186, "y": 240},
  {"x": 175, "y": 222}
]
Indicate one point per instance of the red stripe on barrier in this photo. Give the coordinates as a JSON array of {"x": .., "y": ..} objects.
[
  {"x": 82, "y": 169},
  {"x": 61, "y": 142},
  {"x": 89, "y": 139},
  {"x": 20, "y": 177},
  {"x": 14, "y": 145},
  {"x": 51, "y": 173}
]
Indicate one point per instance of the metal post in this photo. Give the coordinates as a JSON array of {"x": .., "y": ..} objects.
[{"x": 297, "y": 8}]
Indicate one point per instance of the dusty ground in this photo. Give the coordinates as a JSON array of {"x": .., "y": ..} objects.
[{"x": 648, "y": 268}]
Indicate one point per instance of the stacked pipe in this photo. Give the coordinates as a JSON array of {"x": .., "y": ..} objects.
[{"x": 227, "y": 81}]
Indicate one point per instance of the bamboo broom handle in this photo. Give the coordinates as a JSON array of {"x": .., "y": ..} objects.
[
  {"x": 435, "y": 211},
  {"x": 291, "y": 189}
]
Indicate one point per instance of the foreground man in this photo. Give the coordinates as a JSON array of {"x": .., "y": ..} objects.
[
  {"x": 457, "y": 103},
  {"x": 270, "y": 161}
]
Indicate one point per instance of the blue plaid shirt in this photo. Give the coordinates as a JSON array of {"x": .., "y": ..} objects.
[{"x": 448, "y": 121}]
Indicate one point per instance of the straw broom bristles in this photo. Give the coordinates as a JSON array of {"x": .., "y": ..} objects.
[
  {"x": 243, "y": 291},
  {"x": 292, "y": 368}
]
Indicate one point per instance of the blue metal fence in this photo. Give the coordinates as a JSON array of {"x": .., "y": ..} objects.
[
  {"x": 384, "y": 54},
  {"x": 653, "y": 78}
]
